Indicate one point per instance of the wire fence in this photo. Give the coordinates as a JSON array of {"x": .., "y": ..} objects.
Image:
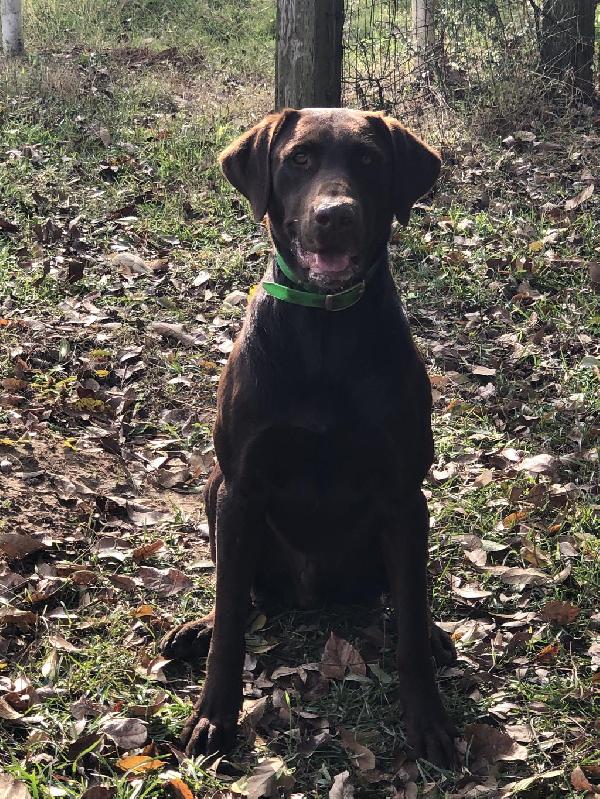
[{"x": 494, "y": 58}]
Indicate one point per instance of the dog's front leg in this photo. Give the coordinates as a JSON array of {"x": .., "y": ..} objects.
[
  {"x": 429, "y": 730},
  {"x": 212, "y": 725}
]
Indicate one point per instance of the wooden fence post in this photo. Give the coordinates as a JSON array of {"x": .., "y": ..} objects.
[
  {"x": 12, "y": 27},
  {"x": 308, "y": 67}
]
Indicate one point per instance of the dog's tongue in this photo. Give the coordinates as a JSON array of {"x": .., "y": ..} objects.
[{"x": 328, "y": 262}]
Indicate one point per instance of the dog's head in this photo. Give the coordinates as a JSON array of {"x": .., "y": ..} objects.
[{"x": 331, "y": 181}]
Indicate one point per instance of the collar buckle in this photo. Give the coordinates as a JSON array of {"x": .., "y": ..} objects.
[{"x": 352, "y": 294}]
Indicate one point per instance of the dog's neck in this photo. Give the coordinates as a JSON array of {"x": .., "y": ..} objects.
[{"x": 283, "y": 281}]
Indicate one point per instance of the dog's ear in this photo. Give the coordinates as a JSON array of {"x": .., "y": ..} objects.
[
  {"x": 416, "y": 168},
  {"x": 246, "y": 163}
]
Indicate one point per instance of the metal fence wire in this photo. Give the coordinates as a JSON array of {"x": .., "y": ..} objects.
[{"x": 466, "y": 57}]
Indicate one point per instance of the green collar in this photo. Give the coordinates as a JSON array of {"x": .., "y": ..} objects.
[{"x": 328, "y": 302}]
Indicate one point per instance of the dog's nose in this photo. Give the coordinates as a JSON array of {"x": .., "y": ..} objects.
[{"x": 335, "y": 214}]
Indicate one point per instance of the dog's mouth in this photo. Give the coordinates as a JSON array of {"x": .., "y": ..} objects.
[{"x": 327, "y": 266}]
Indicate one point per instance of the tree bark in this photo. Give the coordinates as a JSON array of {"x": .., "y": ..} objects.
[
  {"x": 308, "y": 67},
  {"x": 423, "y": 22},
  {"x": 567, "y": 49},
  {"x": 12, "y": 27}
]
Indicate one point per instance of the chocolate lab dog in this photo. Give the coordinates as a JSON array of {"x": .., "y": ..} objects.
[{"x": 323, "y": 429}]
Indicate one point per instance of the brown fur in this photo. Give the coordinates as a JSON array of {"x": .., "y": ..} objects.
[{"x": 323, "y": 433}]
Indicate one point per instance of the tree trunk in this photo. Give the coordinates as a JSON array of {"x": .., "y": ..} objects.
[
  {"x": 12, "y": 27},
  {"x": 567, "y": 49},
  {"x": 308, "y": 67},
  {"x": 423, "y": 23}
]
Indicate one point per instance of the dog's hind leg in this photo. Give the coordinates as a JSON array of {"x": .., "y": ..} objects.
[{"x": 191, "y": 640}]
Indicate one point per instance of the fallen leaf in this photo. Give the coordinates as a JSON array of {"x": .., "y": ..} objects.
[
  {"x": 12, "y": 789},
  {"x": 483, "y": 371},
  {"x": 518, "y": 576},
  {"x": 145, "y": 712},
  {"x": 580, "y": 782},
  {"x": 538, "y": 464},
  {"x": 493, "y": 744},
  {"x": 579, "y": 199},
  {"x": 342, "y": 788},
  {"x": 99, "y": 792},
  {"x": 145, "y": 517},
  {"x": 21, "y": 618},
  {"x": 130, "y": 264},
  {"x": 138, "y": 764},
  {"x": 408, "y": 791},
  {"x": 125, "y": 732},
  {"x": 177, "y": 332},
  {"x": 179, "y": 789},
  {"x": 548, "y": 654},
  {"x": 58, "y": 642},
  {"x": 147, "y": 550},
  {"x": 512, "y": 518},
  {"x": 520, "y": 786},
  {"x": 340, "y": 658},
  {"x": 17, "y": 546},
  {"x": 7, "y": 712},
  {"x": 362, "y": 756},
  {"x": 484, "y": 478},
  {"x": 559, "y": 612},
  {"x": 165, "y": 582},
  {"x": 268, "y": 775}
]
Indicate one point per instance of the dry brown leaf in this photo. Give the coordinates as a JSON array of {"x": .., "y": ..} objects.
[
  {"x": 177, "y": 332},
  {"x": 267, "y": 777},
  {"x": 138, "y": 764},
  {"x": 165, "y": 582},
  {"x": 179, "y": 789},
  {"x": 145, "y": 517},
  {"x": 408, "y": 791},
  {"x": 342, "y": 788},
  {"x": 518, "y": 576},
  {"x": 579, "y": 199},
  {"x": 145, "y": 712},
  {"x": 548, "y": 654},
  {"x": 85, "y": 577},
  {"x": 538, "y": 464},
  {"x": 484, "y": 478},
  {"x": 493, "y": 744},
  {"x": 7, "y": 712},
  {"x": 520, "y": 786},
  {"x": 17, "y": 546},
  {"x": 340, "y": 658},
  {"x": 99, "y": 792},
  {"x": 126, "y": 733},
  {"x": 12, "y": 789},
  {"x": 559, "y": 612},
  {"x": 580, "y": 782},
  {"x": 362, "y": 755},
  {"x": 252, "y": 712},
  {"x": 130, "y": 264},
  {"x": 146, "y": 550},
  {"x": 483, "y": 371},
  {"x": 515, "y": 517},
  {"x": 58, "y": 642}
]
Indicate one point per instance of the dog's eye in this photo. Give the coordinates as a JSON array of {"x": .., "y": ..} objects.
[
  {"x": 366, "y": 159},
  {"x": 300, "y": 157}
]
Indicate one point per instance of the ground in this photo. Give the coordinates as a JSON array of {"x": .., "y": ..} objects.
[{"x": 125, "y": 263}]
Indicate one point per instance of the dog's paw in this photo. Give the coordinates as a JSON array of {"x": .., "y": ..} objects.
[
  {"x": 431, "y": 736},
  {"x": 442, "y": 646},
  {"x": 206, "y": 735},
  {"x": 189, "y": 641}
]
